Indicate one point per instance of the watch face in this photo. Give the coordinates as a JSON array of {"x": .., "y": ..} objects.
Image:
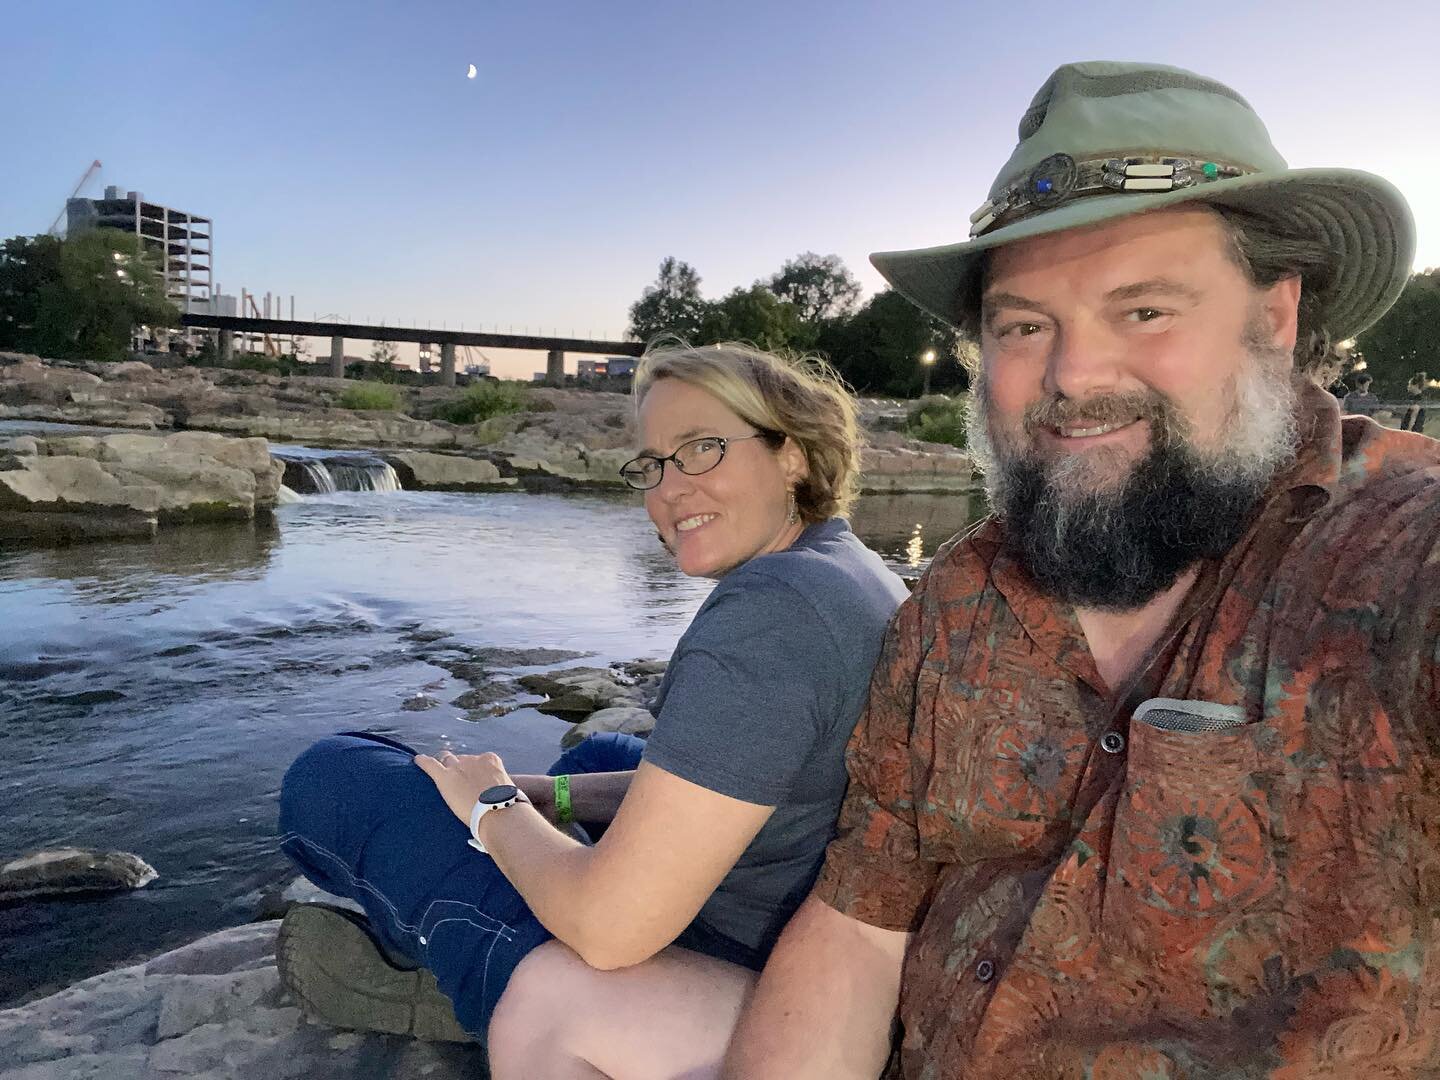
[{"x": 499, "y": 793}]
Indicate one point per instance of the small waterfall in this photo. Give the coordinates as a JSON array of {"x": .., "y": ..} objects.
[
  {"x": 323, "y": 472},
  {"x": 374, "y": 475},
  {"x": 317, "y": 477}
]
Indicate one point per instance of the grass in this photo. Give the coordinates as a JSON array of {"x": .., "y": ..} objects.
[
  {"x": 482, "y": 400},
  {"x": 370, "y": 396},
  {"x": 939, "y": 419}
]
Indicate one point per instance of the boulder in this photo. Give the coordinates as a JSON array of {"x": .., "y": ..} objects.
[
  {"x": 67, "y": 871},
  {"x": 423, "y": 471},
  {"x": 627, "y": 719}
]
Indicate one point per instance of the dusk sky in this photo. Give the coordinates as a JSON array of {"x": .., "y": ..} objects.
[{"x": 346, "y": 158}]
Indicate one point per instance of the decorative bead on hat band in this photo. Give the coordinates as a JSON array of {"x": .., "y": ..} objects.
[{"x": 1060, "y": 178}]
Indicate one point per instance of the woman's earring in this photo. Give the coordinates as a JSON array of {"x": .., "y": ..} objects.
[{"x": 793, "y": 517}]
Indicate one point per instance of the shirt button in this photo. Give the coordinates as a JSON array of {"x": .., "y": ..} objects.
[
  {"x": 1112, "y": 742},
  {"x": 985, "y": 971}
]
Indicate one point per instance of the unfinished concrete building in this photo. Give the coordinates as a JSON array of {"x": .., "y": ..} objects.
[{"x": 180, "y": 240}]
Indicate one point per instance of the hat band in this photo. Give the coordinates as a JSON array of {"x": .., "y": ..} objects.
[{"x": 1060, "y": 178}]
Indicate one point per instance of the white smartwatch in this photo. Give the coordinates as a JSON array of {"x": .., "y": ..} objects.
[{"x": 494, "y": 798}]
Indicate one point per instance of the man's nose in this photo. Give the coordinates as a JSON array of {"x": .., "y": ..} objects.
[{"x": 1084, "y": 359}]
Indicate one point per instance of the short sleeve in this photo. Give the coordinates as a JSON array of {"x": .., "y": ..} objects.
[
  {"x": 750, "y": 688},
  {"x": 874, "y": 870}
]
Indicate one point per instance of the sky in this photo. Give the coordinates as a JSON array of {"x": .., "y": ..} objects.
[{"x": 347, "y": 160}]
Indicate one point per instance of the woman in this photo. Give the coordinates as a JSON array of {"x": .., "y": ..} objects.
[{"x": 631, "y": 957}]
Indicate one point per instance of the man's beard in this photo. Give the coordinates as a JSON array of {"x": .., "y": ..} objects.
[{"x": 1118, "y": 546}]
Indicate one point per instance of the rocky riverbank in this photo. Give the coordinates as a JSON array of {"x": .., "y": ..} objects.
[
  {"x": 134, "y": 483},
  {"x": 216, "y": 1008}
]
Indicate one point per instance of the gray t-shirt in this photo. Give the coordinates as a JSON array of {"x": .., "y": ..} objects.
[{"x": 758, "y": 702}]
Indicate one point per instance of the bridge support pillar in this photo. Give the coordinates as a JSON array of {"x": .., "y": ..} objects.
[
  {"x": 337, "y": 357},
  {"x": 555, "y": 367},
  {"x": 447, "y": 365},
  {"x": 226, "y": 345}
]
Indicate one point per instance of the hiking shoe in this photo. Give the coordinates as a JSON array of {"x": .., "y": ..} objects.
[{"x": 335, "y": 968}]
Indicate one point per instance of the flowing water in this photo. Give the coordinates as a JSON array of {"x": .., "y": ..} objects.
[{"x": 152, "y": 694}]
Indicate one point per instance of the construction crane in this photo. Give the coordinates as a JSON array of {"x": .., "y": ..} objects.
[{"x": 91, "y": 171}]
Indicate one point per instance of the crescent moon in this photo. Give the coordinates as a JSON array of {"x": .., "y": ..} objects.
[{"x": 471, "y": 73}]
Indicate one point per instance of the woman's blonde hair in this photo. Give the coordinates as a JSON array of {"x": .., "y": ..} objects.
[{"x": 800, "y": 397}]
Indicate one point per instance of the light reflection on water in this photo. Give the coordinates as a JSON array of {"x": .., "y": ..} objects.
[{"x": 152, "y": 693}]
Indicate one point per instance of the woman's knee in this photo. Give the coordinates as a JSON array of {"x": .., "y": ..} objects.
[
  {"x": 527, "y": 1013},
  {"x": 605, "y": 751},
  {"x": 327, "y": 777}
]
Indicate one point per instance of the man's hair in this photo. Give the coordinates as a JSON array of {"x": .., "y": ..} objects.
[
  {"x": 1266, "y": 250},
  {"x": 798, "y": 397},
  {"x": 1269, "y": 250},
  {"x": 1362, "y": 381}
]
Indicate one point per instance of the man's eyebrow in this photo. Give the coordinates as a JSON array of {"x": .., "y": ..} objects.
[
  {"x": 1153, "y": 287},
  {"x": 683, "y": 437},
  {"x": 990, "y": 303}
]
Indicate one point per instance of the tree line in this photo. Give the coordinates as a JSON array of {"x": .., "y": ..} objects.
[
  {"x": 1406, "y": 342},
  {"x": 810, "y": 305}
]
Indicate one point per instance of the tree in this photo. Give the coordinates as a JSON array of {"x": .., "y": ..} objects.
[
  {"x": 384, "y": 352},
  {"x": 878, "y": 349},
  {"x": 819, "y": 286},
  {"x": 754, "y": 315},
  {"x": 673, "y": 305},
  {"x": 1407, "y": 337},
  {"x": 80, "y": 298}
]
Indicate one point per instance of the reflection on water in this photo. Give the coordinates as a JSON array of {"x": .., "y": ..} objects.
[
  {"x": 133, "y": 569},
  {"x": 152, "y": 693},
  {"x": 907, "y": 529}
]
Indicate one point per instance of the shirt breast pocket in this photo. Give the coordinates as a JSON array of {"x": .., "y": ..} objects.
[{"x": 1192, "y": 840}]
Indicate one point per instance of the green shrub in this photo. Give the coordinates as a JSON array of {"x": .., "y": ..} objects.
[
  {"x": 482, "y": 400},
  {"x": 370, "y": 395},
  {"x": 939, "y": 420}
]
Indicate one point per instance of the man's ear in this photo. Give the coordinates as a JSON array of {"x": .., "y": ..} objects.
[{"x": 1280, "y": 308}]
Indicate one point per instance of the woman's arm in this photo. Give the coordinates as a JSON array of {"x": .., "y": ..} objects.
[
  {"x": 626, "y": 898},
  {"x": 594, "y": 797}
]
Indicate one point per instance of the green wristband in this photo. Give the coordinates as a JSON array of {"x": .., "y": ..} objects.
[{"x": 564, "y": 814}]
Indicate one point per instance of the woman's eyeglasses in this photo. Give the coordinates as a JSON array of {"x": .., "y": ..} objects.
[{"x": 692, "y": 458}]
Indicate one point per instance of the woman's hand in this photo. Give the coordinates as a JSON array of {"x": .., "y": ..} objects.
[{"x": 461, "y": 778}]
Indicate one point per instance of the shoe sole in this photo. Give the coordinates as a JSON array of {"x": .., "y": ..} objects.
[{"x": 339, "y": 976}]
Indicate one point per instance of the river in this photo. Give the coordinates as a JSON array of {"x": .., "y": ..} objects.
[{"x": 152, "y": 693}]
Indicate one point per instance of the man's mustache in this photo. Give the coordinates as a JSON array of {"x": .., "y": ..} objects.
[{"x": 1058, "y": 411}]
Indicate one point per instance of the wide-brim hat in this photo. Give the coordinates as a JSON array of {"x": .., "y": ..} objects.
[{"x": 1103, "y": 140}]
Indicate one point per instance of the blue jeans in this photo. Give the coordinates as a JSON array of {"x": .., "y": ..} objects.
[{"x": 362, "y": 821}]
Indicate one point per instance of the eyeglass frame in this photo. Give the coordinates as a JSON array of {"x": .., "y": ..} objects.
[{"x": 723, "y": 440}]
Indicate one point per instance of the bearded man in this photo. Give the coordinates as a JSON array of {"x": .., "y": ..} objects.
[{"x": 1146, "y": 785}]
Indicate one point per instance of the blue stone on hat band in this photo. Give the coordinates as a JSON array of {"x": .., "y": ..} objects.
[{"x": 1052, "y": 180}]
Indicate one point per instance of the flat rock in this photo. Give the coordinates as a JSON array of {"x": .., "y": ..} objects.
[
  {"x": 213, "y": 1009},
  {"x": 130, "y": 483},
  {"x": 423, "y": 471}
]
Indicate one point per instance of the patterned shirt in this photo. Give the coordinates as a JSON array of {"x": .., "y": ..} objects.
[{"x": 1093, "y": 896}]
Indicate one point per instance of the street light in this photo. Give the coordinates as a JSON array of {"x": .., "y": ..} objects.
[{"x": 927, "y": 361}]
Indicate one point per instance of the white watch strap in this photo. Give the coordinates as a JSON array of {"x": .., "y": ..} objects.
[{"x": 480, "y": 809}]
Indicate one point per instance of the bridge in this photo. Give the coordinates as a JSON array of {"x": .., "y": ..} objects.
[{"x": 554, "y": 348}]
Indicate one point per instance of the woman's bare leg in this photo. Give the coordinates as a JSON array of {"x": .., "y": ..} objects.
[{"x": 669, "y": 1018}]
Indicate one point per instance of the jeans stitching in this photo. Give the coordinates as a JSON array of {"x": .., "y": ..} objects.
[{"x": 504, "y": 930}]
